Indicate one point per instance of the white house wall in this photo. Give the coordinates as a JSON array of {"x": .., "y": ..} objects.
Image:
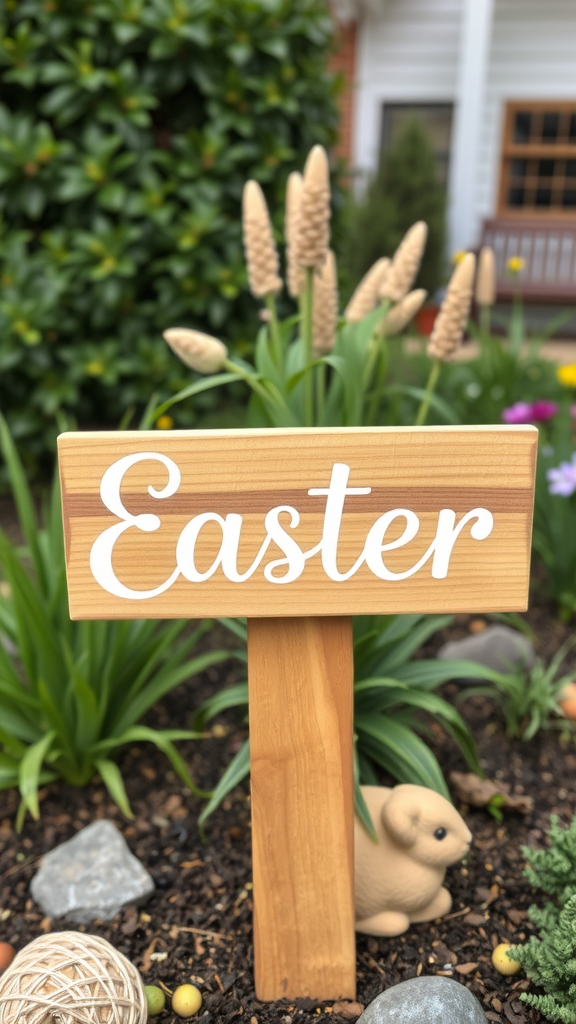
[
  {"x": 408, "y": 51},
  {"x": 532, "y": 57}
]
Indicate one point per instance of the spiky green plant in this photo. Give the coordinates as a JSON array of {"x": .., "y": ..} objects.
[{"x": 73, "y": 693}]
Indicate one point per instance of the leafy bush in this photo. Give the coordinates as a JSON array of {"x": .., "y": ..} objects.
[
  {"x": 404, "y": 190},
  {"x": 550, "y": 960},
  {"x": 127, "y": 130},
  {"x": 390, "y": 692},
  {"x": 72, "y": 693}
]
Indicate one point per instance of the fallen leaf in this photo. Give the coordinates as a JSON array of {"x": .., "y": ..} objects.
[{"x": 476, "y": 792}]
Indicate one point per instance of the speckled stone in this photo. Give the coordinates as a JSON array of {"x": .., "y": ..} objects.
[
  {"x": 431, "y": 1000},
  {"x": 92, "y": 875}
]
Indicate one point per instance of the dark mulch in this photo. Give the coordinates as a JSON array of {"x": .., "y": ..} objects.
[{"x": 200, "y": 918}]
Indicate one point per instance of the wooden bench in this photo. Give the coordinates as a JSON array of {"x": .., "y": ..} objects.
[{"x": 548, "y": 248}]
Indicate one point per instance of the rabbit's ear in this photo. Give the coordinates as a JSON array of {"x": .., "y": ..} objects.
[{"x": 400, "y": 817}]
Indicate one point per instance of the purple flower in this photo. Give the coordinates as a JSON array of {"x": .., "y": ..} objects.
[
  {"x": 543, "y": 410},
  {"x": 520, "y": 412},
  {"x": 530, "y": 412},
  {"x": 562, "y": 480},
  {"x": 573, "y": 411}
]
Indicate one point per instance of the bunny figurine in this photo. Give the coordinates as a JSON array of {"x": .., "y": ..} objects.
[{"x": 398, "y": 881}]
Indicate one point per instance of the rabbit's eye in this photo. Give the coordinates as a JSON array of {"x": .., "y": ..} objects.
[{"x": 440, "y": 833}]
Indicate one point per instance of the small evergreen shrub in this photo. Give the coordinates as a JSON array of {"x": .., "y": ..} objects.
[
  {"x": 405, "y": 189},
  {"x": 550, "y": 959},
  {"x": 127, "y": 130}
]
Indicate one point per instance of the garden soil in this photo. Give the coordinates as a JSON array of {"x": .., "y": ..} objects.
[{"x": 198, "y": 925}]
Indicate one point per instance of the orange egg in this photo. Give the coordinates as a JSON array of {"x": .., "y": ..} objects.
[
  {"x": 568, "y": 701},
  {"x": 7, "y": 954}
]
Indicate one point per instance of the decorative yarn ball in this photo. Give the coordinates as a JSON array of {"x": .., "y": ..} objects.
[{"x": 71, "y": 978}]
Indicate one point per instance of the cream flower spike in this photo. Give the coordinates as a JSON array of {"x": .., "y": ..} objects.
[
  {"x": 325, "y": 307},
  {"x": 201, "y": 352},
  {"x": 405, "y": 263},
  {"x": 399, "y": 316},
  {"x": 259, "y": 246},
  {"x": 451, "y": 321},
  {"x": 313, "y": 233},
  {"x": 486, "y": 277},
  {"x": 294, "y": 272},
  {"x": 365, "y": 297}
]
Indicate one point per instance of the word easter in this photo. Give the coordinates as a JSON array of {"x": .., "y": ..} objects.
[
  {"x": 293, "y": 564},
  {"x": 297, "y": 522}
]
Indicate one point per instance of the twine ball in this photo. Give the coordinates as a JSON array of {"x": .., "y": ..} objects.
[{"x": 71, "y": 978}]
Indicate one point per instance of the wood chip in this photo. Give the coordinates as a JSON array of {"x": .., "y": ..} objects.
[
  {"x": 475, "y": 919},
  {"x": 457, "y": 913},
  {"x": 466, "y": 968},
  {"x": 146, "y": 959},
  {"x": 345, "y": 1009}
]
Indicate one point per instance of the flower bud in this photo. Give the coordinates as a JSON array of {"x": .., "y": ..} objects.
[{"x": 201, "y": 352}]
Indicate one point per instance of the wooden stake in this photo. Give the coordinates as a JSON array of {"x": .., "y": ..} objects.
[{"x": 301, "y": 675}]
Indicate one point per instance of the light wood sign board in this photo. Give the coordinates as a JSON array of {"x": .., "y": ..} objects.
[
  {"x": 297, "y": 522},
  {"x": 298, "y": 530}
]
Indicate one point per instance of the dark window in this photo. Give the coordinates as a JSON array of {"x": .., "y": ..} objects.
[
  {"x": 539, "y": 168},
  {"x": 436, "y": 119}
]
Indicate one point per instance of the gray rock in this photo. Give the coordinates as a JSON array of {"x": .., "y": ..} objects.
[
  {"x": 92, "y": 875},
  {"x": 431, "y": 1000},
  {"x": 498, "y": 647}
]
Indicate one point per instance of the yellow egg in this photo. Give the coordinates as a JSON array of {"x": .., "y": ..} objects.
[
  {"x": 503, "y": 963},
  {"x": 186, "y": 1000}
]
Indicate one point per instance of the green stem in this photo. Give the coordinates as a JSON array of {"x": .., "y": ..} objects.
[
  {"x": 307, "y": 381},
  {"x": 485, "y": 321},
  {"x": 320, "y": 392},
  {"x": 273, "y": 328},
  {"x": 430, "y": 386},
  {"x": 381, "y": 365},
  {"x": 248, "y": 377},
  {"x": 377, "y": 358}
]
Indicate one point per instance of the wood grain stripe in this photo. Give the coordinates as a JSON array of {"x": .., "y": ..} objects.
[{"x": 419, "y": 499}]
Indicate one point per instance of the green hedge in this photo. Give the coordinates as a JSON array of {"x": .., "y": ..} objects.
[{"x": 127, "y": 130}]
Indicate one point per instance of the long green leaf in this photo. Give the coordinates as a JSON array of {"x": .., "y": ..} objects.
[
  {"x": 29, "y": 772},
  {"x": 22, "y": 498},
  {"x": 236, "y": 772},
  {"x": 112, "y": 779},
  {"x": 399, "y": 750},
  {"x": 232, "y": 697}
]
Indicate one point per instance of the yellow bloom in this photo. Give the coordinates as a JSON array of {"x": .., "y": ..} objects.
[
  {"x": 567, "y": 375},
  {"x": 95, "y": 368},
  {"x": 164, "y": 422},
  {"x": 515, "y": 264},
  {"x": 458, "y": 257}
]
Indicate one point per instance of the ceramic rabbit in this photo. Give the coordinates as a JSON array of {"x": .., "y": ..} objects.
[{"x": 399, "y": 880}]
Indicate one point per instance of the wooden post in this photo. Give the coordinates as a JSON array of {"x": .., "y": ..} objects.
[{"x": 300, "y": 673}]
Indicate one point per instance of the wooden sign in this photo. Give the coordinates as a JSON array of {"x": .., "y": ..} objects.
[
  {"x": 287, "y": 522},
  {"x": 298, "y": 530}
]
